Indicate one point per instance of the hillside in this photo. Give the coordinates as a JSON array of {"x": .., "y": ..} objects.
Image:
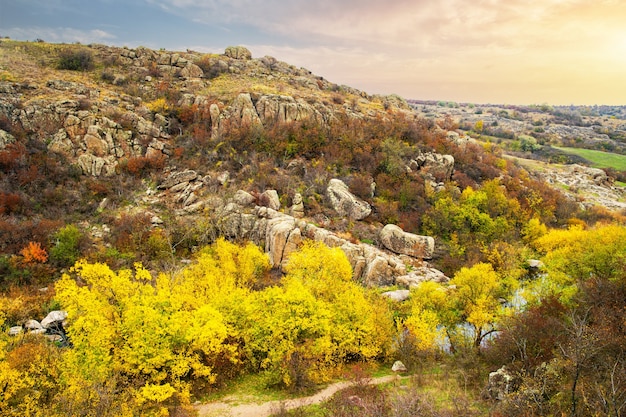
[{"x": 164, "y": 202}]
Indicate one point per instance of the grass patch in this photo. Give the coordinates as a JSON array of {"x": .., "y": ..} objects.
[
  {"x": 248, "y": 388},
  {"x": 598, "y": 159}
]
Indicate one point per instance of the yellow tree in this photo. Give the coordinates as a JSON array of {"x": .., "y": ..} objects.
[
  {"x": 287, "y": 334},
  {"x": 468, "y": 309},
  {"x": 428, "y": 305},
  {"x": 319, "y": 320},
  {"x": 155, "y": 335},
  {"x": 361, "y": 322},
  {"x": 576, "y": 255},
  {"x": 475, "y": 299}
]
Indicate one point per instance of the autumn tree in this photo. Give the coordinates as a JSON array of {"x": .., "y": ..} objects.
[
  {"x": 155, "y": 336},
  {"x": 467, "y": 310},
  {"x": 320, "y": 320}
]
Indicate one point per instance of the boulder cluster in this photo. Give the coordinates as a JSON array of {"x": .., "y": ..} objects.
[
  {"x": 258, "y": 218},
  {"x": 52, "y": 326}
]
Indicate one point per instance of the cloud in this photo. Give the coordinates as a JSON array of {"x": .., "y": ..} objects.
[{"x": 60, "y": 34}]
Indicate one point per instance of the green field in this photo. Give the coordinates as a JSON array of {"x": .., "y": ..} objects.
[{"x": 598, "y": 159}]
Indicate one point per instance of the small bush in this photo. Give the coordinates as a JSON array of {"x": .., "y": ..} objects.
[
  {"x": 73, "y": 60},
  {"x": 33, "y": 253},
  {"x": 9, "y": 203},
  {"x": 140, "y": 165},
  {"x": 66, "y": 250}
]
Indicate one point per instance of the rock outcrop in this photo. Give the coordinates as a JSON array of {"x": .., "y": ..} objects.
[
  {"x": 589, "y": 186},
  {"x": 183, "y": 188},
  {"x": 501, "y": 383},
  {"x": 255, "y": 217},
  {"x": 421, "y": 274},
  {"x": 238, "y": 52},
  {"x": 345, "y": 203},
  {"x": 281, "y": 234},
  {"x": 398, "y": 241},
  {"x": 439, "y": 166},
  {"x": 286, "y": 109}
]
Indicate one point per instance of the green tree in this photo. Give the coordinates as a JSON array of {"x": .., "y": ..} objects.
[{"x": 66, "y": 246}]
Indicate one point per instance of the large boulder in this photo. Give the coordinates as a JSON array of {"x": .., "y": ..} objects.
[
  {"x": 191, "y": 71},
  {"x": 501, "y": 383},
  {"x": 238, "y": 52},
  {"x": 345, "y": 203},
  {"x": 397, "y": 240},
  {"x": 243, "y": 198},
  {"x": 282, "y": 237},
  {"x": 270, "y": 199},
  {"x": 53, "y": 319}
]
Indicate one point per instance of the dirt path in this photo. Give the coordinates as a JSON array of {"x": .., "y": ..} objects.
[{"x": 223, "y": 409}]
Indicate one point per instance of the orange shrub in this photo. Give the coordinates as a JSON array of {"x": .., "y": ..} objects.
[{"x": 34, "y": 253}]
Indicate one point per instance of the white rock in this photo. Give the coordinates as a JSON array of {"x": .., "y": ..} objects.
[
  {"x": 398, "y": 366},
  {"x": 15, "y": 330},
  {"x": 56, "y": 316},
  {"x": 397, "y": 295},
  {"x": 33, "y": 325}
]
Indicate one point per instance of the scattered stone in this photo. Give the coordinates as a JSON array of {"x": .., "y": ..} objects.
[
  {"x": 223, "y": 177},
  {"x": 104, "y": 204},
  {"x": 55, "y": 338},
  {"x": 243, "y": 198},
  {"x": 33, "y": 325},
  {"x": 501, "y": 383},
  {"x": 15, "y": 330},
  {"x": 297, "y": 206},
  {"x": 178, "y": 177},
  {"x": 397, "y": 295}
]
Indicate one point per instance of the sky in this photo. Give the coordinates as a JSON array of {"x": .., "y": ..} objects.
[{"x": 557, "y": 52}]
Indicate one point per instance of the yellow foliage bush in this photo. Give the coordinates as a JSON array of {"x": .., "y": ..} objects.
[{"x": 159, "y": 105}]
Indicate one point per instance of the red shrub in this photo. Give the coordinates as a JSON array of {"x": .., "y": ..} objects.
[{"x": 9, "y": 203}]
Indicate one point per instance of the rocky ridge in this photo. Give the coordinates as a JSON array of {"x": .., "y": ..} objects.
[
  {"x": 241, "y": 217},
  {"x": 98, "y": 125}
]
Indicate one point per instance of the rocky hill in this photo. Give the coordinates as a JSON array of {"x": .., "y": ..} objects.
[{"x": 152, "y": 154}]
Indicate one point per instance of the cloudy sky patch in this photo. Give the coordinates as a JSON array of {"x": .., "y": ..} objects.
[{"x": 513, "y": 51}]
